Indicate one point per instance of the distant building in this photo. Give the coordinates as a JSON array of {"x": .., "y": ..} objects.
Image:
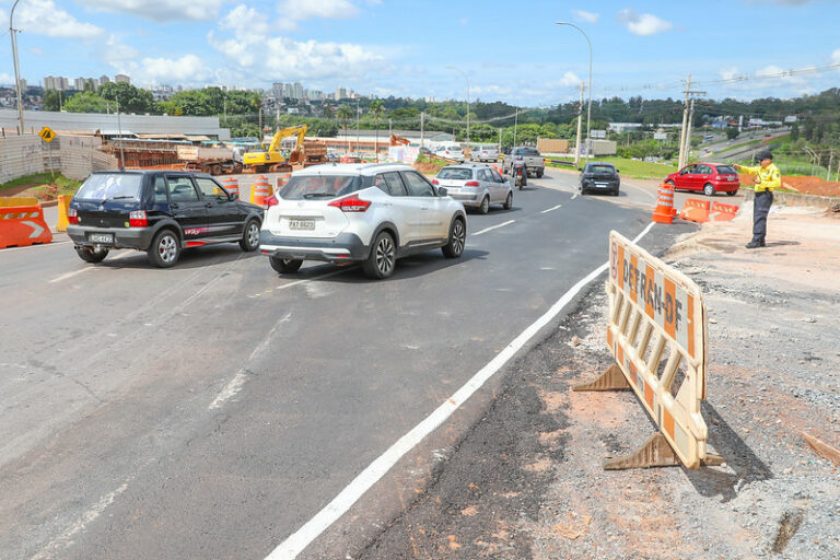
[
  {"x": 340, "y": 93},
  {"x": 122, "y": 78},
  {"x": 297, "y": 90},
  {"x": 56, "y": 83},
  {"x": 103, "y": 79},
  {"x": 315, "y": 95},
  {"x": 790, "y": 119}
]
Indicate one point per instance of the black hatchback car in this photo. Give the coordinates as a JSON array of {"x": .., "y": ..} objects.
[
  {"x": 599, "y": 177},
  {"x": 160, "y": 212}
]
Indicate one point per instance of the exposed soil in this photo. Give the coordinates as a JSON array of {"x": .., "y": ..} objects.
[{"x": 527, "y": 481}]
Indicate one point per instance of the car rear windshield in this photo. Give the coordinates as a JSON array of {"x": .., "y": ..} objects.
[
  {"x": 600, "y": 169},
  {"x": 725, "y": 170},
  {"x": 111, "y": 186},
  {"x": 312, "y": 187},
  {"x": 455, "y": 173},
  {"x": 526, "y": 152}
]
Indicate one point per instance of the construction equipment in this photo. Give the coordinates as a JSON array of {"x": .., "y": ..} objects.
[
  {"x": 399, "y": 141},
  {"x": 274, "y": 159},
  {"x": 215, "y": 160}
]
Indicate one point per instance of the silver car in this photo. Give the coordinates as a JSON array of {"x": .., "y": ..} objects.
[
  {"x": 476, "y": 186},
  {"x": 487, "y": 154}
]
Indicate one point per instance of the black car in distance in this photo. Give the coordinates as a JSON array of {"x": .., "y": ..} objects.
[
  {"x": 599, "y": 177},
  {"x": 160, "y": 212}
]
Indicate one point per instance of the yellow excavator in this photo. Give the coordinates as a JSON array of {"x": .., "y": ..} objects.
[{"x": 272, "y": 160}]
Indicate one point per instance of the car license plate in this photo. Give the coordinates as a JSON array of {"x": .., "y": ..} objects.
[
  {"x": 103, "y": 238},
  {"x": 305, "y": 225},
  {"x": 601, "y": 185}
]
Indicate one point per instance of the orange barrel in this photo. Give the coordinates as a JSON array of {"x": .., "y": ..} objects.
[
  {"x": 261, "y": 191},
  {"x": 231, "y": 185},
  {"x": 664, "y": 211},
  {"x": 282, "y": 179}
]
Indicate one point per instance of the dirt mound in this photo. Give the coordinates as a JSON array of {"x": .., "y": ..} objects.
[{"x": 805, "y": 184}]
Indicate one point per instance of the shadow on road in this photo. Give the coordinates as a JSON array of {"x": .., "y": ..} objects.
[{"x": 190, "y": 258}]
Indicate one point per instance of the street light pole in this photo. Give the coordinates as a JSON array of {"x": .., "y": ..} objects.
[
  {"x": 13, "y": 33},
  {"x": 467, "y": 78},
  {"x": 589, "y": 108}
]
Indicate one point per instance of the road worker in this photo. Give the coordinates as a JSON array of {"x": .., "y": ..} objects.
[{"x": 767, "y": 178}]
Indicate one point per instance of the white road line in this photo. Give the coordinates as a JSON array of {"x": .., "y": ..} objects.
[
  {"x": 66, "y": 538},
  {"x": 235, "y": 385},
  {"x": 319, "y": 277},
  {"x": 312, "y": 529},
  {"x": 491, "y": 228},
  {"x": 70, "y": 274},
  {"x": 551, "y": 209},
  {"x": 574, "y": 196}
]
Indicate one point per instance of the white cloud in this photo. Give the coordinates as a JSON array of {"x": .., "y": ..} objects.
[
  {"x": 186, "y": 69},
  {"x": 588, "y": 17},
  {"x": 161, "y": 10},
  {"x": 43, "y": 17},
  {"x": 835, "y": 57},
  {"x": 7, "y": 79},
  {"x": 253, "y": 47},
  {"x": 570, "y": 79},
  {"x": 729, "y": 73},
  {"x": 308, "y": 9},
  {"x": 643, "y": 24}
]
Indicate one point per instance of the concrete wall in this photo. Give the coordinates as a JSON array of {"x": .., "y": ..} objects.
[
  {"x": 793, "y": 199},
  {"x": 91, "y": 122},
  {"x": 73, "y": 157}
]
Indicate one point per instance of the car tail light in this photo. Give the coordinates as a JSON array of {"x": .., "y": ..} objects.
[
  {"x": 716, "y": 178},
  {"x": 435, "y": 182},
  {"x": 350, "y": 204},
  {"x": 472, "y": 184},
  {"x": 72, "y": 216},
  {"x": 138, "y": 219},
  {"x": 271, "y": 201}
]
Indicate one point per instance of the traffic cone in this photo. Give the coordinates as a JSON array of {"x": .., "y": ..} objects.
[
  {"x": 664, "y": 211},
  {"x": 261, "y": 191}
]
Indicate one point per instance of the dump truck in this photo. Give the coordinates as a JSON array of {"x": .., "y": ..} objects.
[{"x": 212, "y": 160}]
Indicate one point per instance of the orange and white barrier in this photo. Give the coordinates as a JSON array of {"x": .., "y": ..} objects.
[
  {"x": 721, "y": 212},
  {"x": 22, "y": 222},
  {"x": 657, "y": 332},
  {"x": 695, "y": 210},
  {"x": 231, "y": 185},
  {"x": 664, "y": 211},
  {"x": 261, "y": 191},
  {"x": 282, "y": 179}
]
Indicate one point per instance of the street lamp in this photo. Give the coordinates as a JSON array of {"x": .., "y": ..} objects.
[
  {"x": 467, "y": 78},
  {"x": 589, "y": 109},
  {"x": 17, "y": 65}
]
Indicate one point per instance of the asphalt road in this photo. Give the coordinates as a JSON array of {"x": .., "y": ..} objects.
[{"x": 210, "y": 410}]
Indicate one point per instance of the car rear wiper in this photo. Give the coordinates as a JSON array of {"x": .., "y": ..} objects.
[
  {"x": 124, "y": 197},
  {"x": 319, "y": 195}
]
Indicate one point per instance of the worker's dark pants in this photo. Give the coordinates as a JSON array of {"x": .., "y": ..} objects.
[{"x": 761, "y": 207}]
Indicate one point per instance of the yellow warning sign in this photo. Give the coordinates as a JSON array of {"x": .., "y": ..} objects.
[{"x": 47, "y": 134}]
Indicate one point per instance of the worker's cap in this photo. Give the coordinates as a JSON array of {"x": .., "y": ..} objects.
[{"x": 766, "y": 154}]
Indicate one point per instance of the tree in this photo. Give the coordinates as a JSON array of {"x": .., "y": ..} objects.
[
  {"x": 131, "y": 99},
  {"x": 86, "y": 102},
  {"x": 52, "y": 100},
  {"x": 794, "y": 131},
  {"x": 732, "y": 132}
]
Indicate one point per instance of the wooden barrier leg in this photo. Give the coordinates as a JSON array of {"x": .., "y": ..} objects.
[
  {"x": 611, "y": 380},
  {"x": 656, "y": 452}
]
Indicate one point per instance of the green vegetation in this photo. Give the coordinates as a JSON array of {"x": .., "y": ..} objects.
[
  {"x": 630, "y": 168},
  {"x": 44, "y": 183}
]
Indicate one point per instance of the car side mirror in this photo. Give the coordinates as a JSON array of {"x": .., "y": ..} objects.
[
  {"x": 580, "y": 169},
  {"x": 233, "y": 196},
  {"x": 617, "y": 171},
  {"x": 442, "y": 191}
]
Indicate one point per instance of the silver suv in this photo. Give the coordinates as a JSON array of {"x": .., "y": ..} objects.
[
  {"x": 476, "y": 186},
  {"x": 367, "y": 213}
]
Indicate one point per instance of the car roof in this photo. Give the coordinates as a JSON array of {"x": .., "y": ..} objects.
[
  {"x": 600, "y": 163},
  {"x": 150, "y": 172},
  {"x": 363, "y": 169}
]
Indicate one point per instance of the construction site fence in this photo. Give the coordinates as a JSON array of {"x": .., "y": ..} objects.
[{"x": 75, "y": 157}]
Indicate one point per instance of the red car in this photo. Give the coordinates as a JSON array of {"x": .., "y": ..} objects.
[{"x": 710, "y": 178}]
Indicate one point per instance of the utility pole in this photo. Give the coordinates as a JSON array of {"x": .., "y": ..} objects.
[
  {"x": 500, "y": 140},
  {"x": 579, "y": 127},
  {"x": 830, "y": 163},
  {"x": 688, "y": 114},
  {"x": 358, "y": 124},
  {"x": 390, "y": 127},
  {"x": 515, "y": 122},
  {"x": 119, "y": 131},
  {"x": 13, "y": 33}
]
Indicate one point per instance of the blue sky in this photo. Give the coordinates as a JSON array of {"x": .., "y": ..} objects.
[{"x": 510, "y": 51}]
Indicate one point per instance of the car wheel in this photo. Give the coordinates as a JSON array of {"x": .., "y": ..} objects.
[
  {"x": 615, "y": 192},
  {"x": 457, "y": 238},
  {"x": 509, "y": 201},
  {"x": 91, "y": 255},
  {"x": 731, "y": 193},
  {"x": 485, "y": 205},
  {"x": 285, "y": 266},
  {"x": 540, "y": 173},
  {"x": 383, "y": 256},
  {"x": 165, "y": 249},
  {"x": 251, "y": 236},
  {"x": 709, "y": 189}
]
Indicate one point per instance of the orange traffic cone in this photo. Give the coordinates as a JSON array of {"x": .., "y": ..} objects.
[{"x": 664, "y": 211}]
